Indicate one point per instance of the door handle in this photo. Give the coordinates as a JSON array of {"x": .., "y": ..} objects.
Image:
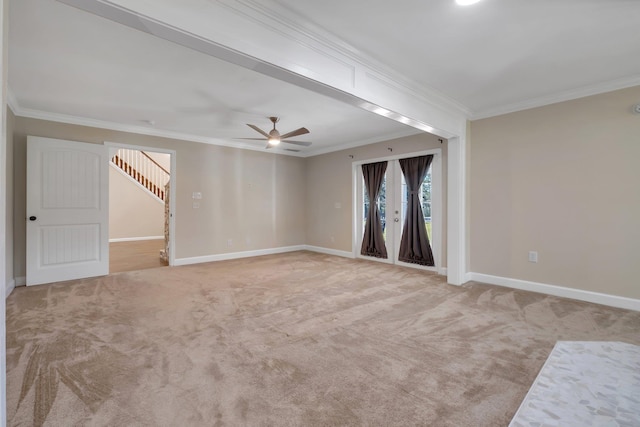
[
  {"x": 32, "y": 218},
  {"x": 396, "y": 220}
]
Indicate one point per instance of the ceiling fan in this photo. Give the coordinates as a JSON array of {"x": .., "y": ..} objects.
[{"x": 273, "y": 137}]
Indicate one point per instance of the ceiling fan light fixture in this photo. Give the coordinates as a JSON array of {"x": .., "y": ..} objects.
[
  {"x": 274, "y": 136},
  {"x": 466, "y": 2}
]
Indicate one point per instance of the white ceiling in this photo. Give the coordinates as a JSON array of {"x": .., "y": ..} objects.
[
  {"x": 494, "y": 56},
  {"x": 69, "y": 62}
]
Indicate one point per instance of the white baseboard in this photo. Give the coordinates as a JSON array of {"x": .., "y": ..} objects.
[
  {"x": 441, "y": 271},
  {"x": 328, "y": 251},
  {"x": 11, "y": 284},
  {"x": 135, "y": 239},
  {"x": 236, "y": 255},
  {"x": 21, "y": 281},
  {"x": 559, "y": 291}
]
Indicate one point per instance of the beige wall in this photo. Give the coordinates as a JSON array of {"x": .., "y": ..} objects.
[
  {"x": 133, "y": 211},
  {"x": 9, "y": 194},
  {"x": 329, "y": 181},
  {"x": 563, "y": 180},
  {"x": 163, "y": 159},
  {"x": 254, "y": 198}
]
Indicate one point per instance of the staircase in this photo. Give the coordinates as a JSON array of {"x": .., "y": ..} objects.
[
  {"x": 144, "y": 170},
  {"x": 140, "y": 167}
]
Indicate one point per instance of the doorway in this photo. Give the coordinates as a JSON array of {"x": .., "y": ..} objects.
[
  {"x": 140, "y": 213},
  {"x": 67, "y": 202},
  {"x": 392, "y": 205}
]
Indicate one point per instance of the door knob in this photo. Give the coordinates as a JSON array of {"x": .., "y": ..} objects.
[
  {"x": 32, "y": 218},
  {"x": 396, "y": 220}
]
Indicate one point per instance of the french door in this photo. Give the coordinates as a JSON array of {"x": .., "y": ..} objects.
[{"x": 392, "y": 204}]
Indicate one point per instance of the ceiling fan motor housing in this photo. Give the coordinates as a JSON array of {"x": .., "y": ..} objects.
[{"x": 274, "y": 134}]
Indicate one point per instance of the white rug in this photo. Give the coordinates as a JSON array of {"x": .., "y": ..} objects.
[{"x": 585, "y": 384}]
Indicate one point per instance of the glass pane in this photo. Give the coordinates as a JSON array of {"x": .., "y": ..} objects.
[
  {"x": 425, "y": 200},
  {"x": 365, "y": 210},
  {"x": 382, "y": 206},
  {"x": 404, "y": 196}
]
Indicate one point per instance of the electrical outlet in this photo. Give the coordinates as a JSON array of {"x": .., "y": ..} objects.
[
  {"x": 533, "y": 256},
  {"x": 196, "y": 205}
]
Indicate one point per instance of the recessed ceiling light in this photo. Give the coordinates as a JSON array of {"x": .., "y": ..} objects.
[{"x": 466, "y": 2}]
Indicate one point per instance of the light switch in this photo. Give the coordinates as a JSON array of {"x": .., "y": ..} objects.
[
  {"x": 196, "y": 195},
  {"x": 338, "y": 205}
]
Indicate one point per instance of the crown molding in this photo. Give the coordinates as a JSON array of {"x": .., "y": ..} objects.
[
  {"x": 355, "y": 83},
  {"x": 12, "y": 102},
  {"x": 274, "y": 16},
  {"x": 373, "y": 140},
  {"x": 296, "y": 27},
  {"x": 141, "y": 130},
  {"x": 263, "y": 16},
  {"x": 280, "y": 20},
  {"x": 569, "y": 95}
]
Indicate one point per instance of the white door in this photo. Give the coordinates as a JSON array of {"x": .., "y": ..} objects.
[
  {"x": 392, "y": 204},
  {"x": 67, "y": 210}
]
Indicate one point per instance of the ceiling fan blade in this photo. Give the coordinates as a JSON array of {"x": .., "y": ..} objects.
[
  {"x": 289, "y": 149},
  {"x": 252, "y": 139},
  {"x": 257, "y": 129},
  {"x": 303, "y": 143},
  {"x": 296, "y": 132}
]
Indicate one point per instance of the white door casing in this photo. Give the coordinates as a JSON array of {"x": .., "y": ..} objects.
[
  {"x": 67, "y": 210},
  {"x": 113, "y": 148}
]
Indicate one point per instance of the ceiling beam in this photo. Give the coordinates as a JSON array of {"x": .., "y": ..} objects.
[{"x": 247, "y": 35}]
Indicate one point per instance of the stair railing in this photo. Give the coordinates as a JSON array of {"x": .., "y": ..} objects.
[{"x": 142, "y": 168}]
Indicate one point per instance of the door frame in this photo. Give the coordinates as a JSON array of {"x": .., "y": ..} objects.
[
  {"x": 172, "y": 188},
  {"x": 436, "y": 209}
]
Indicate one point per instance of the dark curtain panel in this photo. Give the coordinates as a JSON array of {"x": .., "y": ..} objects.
[
  {"x": 414, "y": 246},
  {"x": 373, "y": 240}
]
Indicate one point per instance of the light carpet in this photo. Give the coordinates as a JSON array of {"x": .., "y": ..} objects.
[{"x": 298, "y": 339}]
